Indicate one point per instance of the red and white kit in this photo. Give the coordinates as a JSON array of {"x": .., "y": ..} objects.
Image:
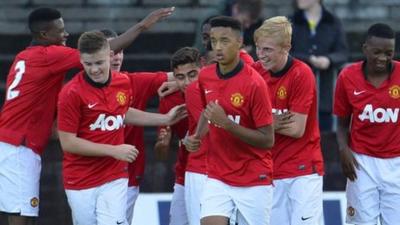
[
  {"x": 298, "y": 163},
  {"x": 375, "y": 144},
  {"x": 95, "y": 112},
  {"x": 239, "y": 175},
  {"x": 33, "y": 83}
]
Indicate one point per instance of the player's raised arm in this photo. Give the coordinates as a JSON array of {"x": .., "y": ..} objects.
[{"x": 125, "y": 39}]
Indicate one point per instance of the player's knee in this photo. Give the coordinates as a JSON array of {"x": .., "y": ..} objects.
[{"x": 214, "y": 220}]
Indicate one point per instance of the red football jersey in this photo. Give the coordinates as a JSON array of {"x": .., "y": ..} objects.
[
  {"x": 144, "y": 86},
  {"x": 197, "y": 161},
  {"x": 180, "y": 129},
  {"x": 374, "y": 127},
  {"x": 246, "y": 58},
  {"x": 96, "y": 114},
  {"x": 33, "y": 84},
  {"x": 243, "y": 94},
  {"x": 293, "y": 89}
]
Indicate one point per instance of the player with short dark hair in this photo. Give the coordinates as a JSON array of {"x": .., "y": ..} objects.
[
  {"x": 185, "y": 64},
  {"x": 93, "y": 108},
  {"x": 367, "y": 105},
  {"x": 296, "y": 154},
  {"x": 239, "y": 113},
  {"x": 33, "y": 83}
]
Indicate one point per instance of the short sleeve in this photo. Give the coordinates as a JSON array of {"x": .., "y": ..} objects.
[
  {"x": 341, "y": 104},
  {"x": 261, "y": 108},
  {"x": 203, "y": 100},
  {"x": 193, "y": 105},
  {"x": 303, "y": 91},
  {"x": 61, "y": 59},
  {"x": 69, "y": 113},
  {"x": 146, "y": 84}
]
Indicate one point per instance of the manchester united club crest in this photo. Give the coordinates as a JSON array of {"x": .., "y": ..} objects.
[
  {"x": 351, "y": 211},
  {"x": 394, "y": 91},
  {"x": 281, "y": 93},
  {"x": 121, "y": 98},
  {"x": 34, "y": 202},
  {"x": 237, "y": 99}
]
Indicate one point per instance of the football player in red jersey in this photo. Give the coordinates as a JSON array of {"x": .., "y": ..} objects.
[
  {"x": 297, "y": 157},
  {"x": 366, "y": 102},
  {"x": 144, "y": 86},
  {"x": 33, "y": 83},
  {"x": 93, "y": 107},
  {"x": 185, "y": 64},
  {"x": 208, "y": 57},
  {"x": 238, "y": 108}
]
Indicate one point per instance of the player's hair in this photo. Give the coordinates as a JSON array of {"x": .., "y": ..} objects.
[
  {"x": 185, "y": 55},
  {"x": 277, "y": 27},
  {"x": 39, "y": 18},
  {"x": 109, "y": 33},
  {"x": 251, "y": 7},
  {"x": 380, "y": 30},
  {"x": 207, "y": 20},
  {"x": 92, "y": 41},
  {"x": 226, "y": 21}
]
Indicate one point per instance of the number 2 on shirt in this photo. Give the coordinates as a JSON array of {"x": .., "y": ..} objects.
[{"x": 20, "y": 68}]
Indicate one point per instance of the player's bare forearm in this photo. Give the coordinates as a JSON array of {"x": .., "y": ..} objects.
[
  {"x": 348, "y": 162},
  {"x": 73, "y": 144},
  {"x": 261, "y": 138},
  {"x": 142, "y": 118},
  {"x": 293, "y": 127},
  {"x": 342, "y": 134},
  {"x": 125, "y": 39}
]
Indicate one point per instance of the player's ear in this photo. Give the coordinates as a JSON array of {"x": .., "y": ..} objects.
[
  {"x": 43, "y": 34},
  {"x": 364, "y": 48},
  {"x": 287, "y": 48}
]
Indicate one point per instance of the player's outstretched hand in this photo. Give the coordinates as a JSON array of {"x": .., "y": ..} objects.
[
  {"x": 167, "y": 88},
  {"x": 125, "y": 152},
  {"x": 176, "y": 114},
  {"x": 192, "y": 143},
  {"x": 156, "y": 16},
  {"x": 349, "y": 163},
  {"x": 283, "y": 120}
]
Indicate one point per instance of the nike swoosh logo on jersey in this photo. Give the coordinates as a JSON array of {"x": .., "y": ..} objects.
[
  {"x": 358, "y": 92},
  {"x": 305, "y": 218},
  {"x": 120, "y": 222},
  {"x": 91, "y": 105},
  {"x": 207, "y": 91}
]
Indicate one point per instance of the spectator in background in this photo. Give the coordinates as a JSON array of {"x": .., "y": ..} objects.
[
  {"x": 248, "y": 12},
  {"x": 318, "y": 39}
]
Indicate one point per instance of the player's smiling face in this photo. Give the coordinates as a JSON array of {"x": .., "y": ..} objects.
[
  {"x": 97, "y": 65},
  {"x": 56, "y": 34},
  {"x": 379, "y": 53},
  {"x": 185, "y": 74},
  {"x": 225, "y": 43},
  {"x": 271, "y": 53}
]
